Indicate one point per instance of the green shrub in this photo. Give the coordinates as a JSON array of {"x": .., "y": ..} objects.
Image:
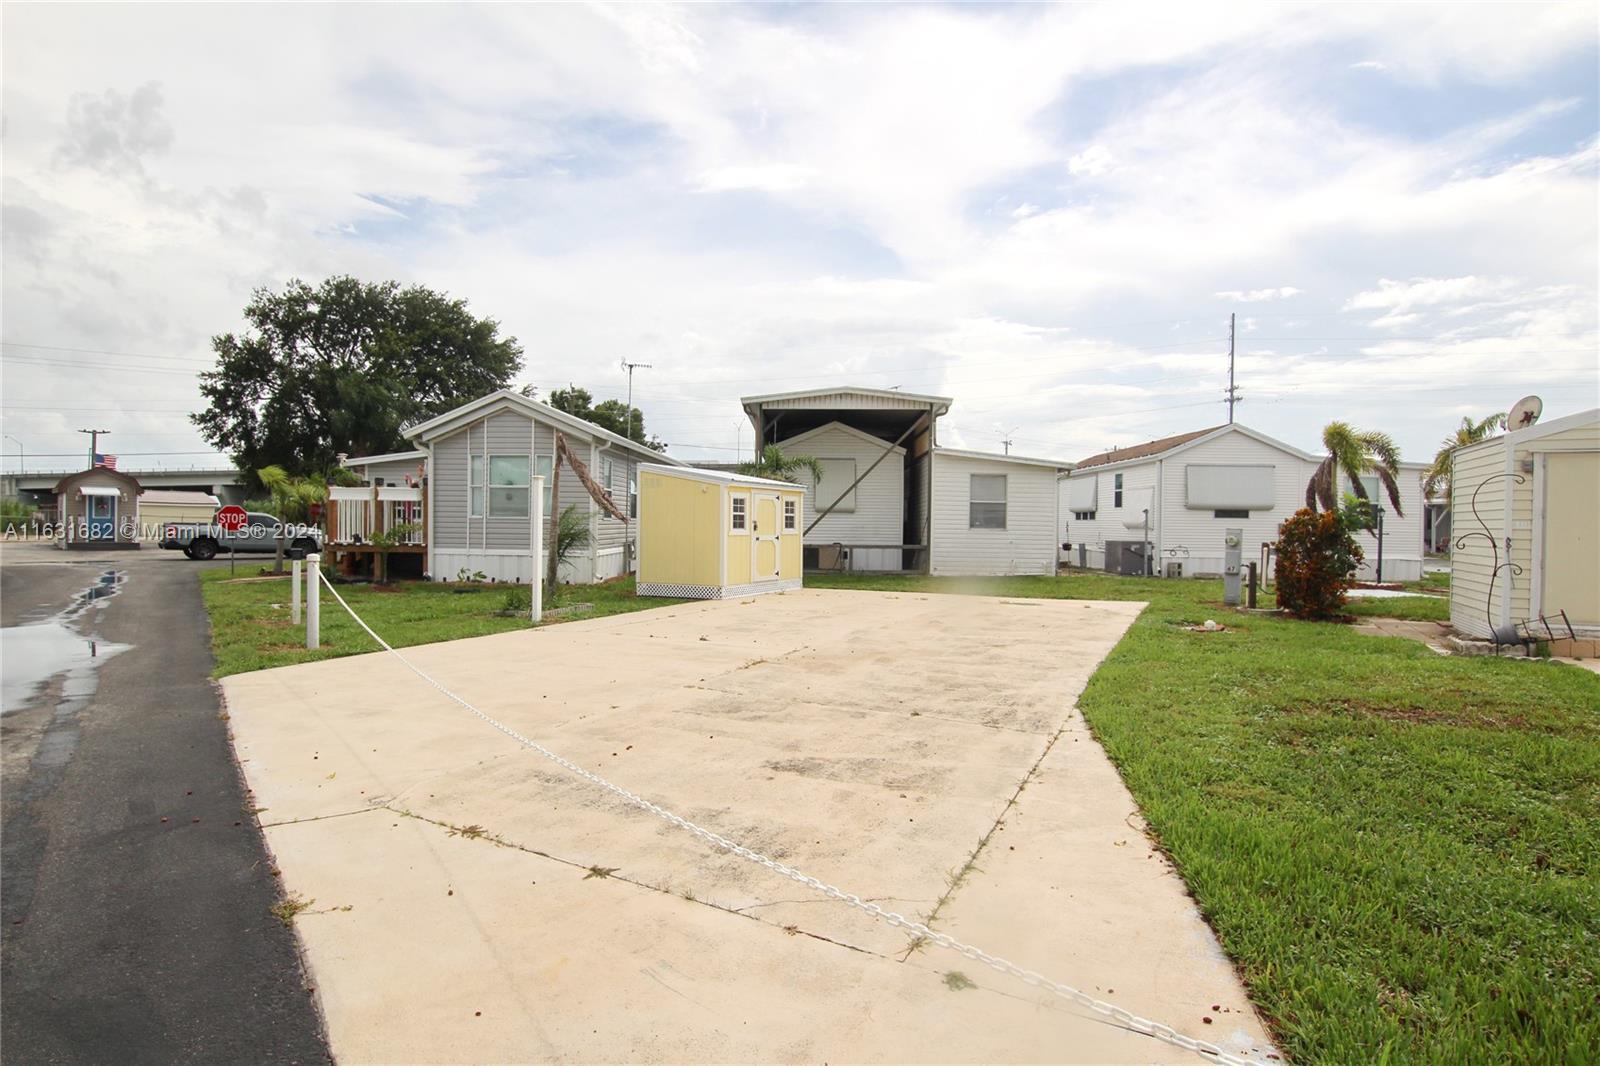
[{"x": 1317, "y": 561}]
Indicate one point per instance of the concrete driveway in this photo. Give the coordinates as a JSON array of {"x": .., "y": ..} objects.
[{"x": 468, "y": 900}]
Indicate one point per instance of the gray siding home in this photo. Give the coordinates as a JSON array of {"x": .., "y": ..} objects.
[{"x": 480, "y": 460}]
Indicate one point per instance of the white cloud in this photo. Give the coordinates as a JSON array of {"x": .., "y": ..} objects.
[
  {"x": 1250, "y": 296},
  {"x": 933, "y": 197}
]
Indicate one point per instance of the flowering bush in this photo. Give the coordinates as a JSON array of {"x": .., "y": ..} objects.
[{"x": 1317, "y": 561}]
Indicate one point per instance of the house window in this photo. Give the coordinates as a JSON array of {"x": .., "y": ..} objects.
[
  {"x": 1083, "y": 516},
  {"x": 1229, "y": 512},
  {"x": 633, "y": 498},
  {"x": 544, "y": 465},
  {"x": 987, "y": 506},
  {"x": 740, "y": 514},
  {"x": 791, "y": 515},
  {"x": 508, "y": 486},
  {"x": 605, "y": 474},
  {"x": 475, "y": 483},
  {"x": 1116, "y": 490},
  {"x": 837, "y": 476}
]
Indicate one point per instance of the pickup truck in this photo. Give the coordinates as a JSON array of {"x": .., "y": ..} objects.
[{"x": 258, "y": 534}]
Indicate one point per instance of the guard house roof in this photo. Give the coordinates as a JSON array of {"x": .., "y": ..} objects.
[{"x": 883, "y": 413}]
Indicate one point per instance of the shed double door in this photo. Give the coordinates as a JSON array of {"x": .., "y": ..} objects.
[{"x": 764, "y": 537}]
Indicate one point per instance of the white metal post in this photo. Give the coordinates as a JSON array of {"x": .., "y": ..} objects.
[
  {"x": 313, "y": 602},
  {"x": 536, "y": 584},
  {"x": 294, "y": 591}
]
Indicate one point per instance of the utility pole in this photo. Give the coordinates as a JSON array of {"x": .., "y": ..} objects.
[
  {"x": 1233, "y": 393},
  {"x": 633, "y": 473},
  {"x": 22, "y": 455},
  {"x": 94, "y": 443}
]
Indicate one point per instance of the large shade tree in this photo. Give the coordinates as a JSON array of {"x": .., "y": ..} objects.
[
  {"x": 1355, "y": 453},
  {"x": 1437, "y": 480},
  {"x": 607, "y": 414},
  {"x": 341, "y": 367}
]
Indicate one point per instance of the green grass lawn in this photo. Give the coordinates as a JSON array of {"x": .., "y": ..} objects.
[
  {"x": 1400, "y": 850},
  {"x": 250, "y": 627},
  {"x": 1415, "y": 608}
]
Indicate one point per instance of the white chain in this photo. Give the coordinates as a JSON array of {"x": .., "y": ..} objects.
[{"x": 1158, "y": 1030}]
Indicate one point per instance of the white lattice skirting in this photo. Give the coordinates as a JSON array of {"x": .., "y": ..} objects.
[{"x": 714, "y": 592}]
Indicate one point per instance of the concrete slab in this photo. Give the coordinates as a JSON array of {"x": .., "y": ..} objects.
[{"x": 879, "y": 741}]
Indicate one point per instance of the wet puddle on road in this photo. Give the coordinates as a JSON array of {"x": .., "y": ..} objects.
[{"x": 35, "y": 653}]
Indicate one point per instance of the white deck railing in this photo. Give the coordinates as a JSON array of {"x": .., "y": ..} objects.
[{"x": 356, "y": 513}]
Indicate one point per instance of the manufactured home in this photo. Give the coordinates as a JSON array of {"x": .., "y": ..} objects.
[
  {"x": 462, "y": 494},
  {"x": 1163, "y": 507},
  {"x": 891, "y": 498},
  {"x": 1525, "y": 515}
]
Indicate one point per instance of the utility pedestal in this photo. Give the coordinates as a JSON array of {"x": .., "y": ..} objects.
[{"x": 1232, "y": 568}]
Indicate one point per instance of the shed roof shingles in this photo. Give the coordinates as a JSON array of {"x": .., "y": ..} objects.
[{"x": 1145, "y": 450}]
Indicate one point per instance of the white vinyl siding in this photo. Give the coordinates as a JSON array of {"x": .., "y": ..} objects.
[
  {"x": 878, "y": 516},
  {"x": 1027, "y": 544},
  {"x": 1471, "y": 563}
]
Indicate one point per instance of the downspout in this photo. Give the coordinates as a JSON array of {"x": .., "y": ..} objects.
[{"x": 1161, "y": 509}]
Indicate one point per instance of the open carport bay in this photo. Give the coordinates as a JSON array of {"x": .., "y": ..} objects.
[{"x": 468, "y": 900}]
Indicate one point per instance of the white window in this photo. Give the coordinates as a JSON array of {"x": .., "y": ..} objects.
[
  {"x": 508, "y": 486},
  {"x": 475, "y": 483},
  {"x": 605, "y": 473},
  {"x": 837, "y": 476},
  {"x": 633, "y": 498},
  {"x": 987, "y": 497},
  {"x": 543, "y": 465},
  {"x": 1116, "y": 491},
  {"x": 791, "y": 515},
  {"x": 739, "y": 513},
  {"x": 1083, "y": 516}
]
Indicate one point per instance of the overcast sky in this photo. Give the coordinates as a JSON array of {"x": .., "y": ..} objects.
[{"x": 1046, "y": 213}]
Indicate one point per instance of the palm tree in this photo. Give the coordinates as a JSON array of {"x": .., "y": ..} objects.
[
  {"x": 292, "y": 498},
  {"x": 1469, "y": 432},
  {"x": 1356, "y": 452},
  {"x": 773, "y": 464}
]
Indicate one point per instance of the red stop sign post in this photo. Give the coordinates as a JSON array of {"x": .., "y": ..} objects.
[{"x": 232, "y": 518}]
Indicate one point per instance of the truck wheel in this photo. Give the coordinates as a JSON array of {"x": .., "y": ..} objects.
[{"x": 203, "y": 550}]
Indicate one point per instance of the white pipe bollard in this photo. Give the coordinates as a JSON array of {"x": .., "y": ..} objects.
[
  {"x": 294, "y": 591},
  {"x": 536, "y": 586},
  {"x": 313, "y": 602}
]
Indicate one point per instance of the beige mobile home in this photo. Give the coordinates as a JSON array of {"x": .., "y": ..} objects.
[{"x": 1525, "y": 515}]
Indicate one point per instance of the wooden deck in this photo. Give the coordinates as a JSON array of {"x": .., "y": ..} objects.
[{"x": 369, "y": 522}]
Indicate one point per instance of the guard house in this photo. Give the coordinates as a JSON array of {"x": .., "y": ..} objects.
[
  {"x": 98, "y": 510},
  {"x": 871, "y": 510}
]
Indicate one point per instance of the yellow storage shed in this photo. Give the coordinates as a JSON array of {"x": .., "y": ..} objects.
[{"x": 710, "y": 535}]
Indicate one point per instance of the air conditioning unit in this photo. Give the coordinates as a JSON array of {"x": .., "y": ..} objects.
[{"x": 1127, "y": 557}]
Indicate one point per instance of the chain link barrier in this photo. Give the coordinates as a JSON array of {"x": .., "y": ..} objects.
[{"x": 1148, "y": 1027}]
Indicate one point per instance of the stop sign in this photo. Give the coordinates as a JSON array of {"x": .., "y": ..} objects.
[{"x": 232, "y": 518}]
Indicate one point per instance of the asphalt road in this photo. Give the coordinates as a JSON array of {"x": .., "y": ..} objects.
[{"x": 134, "y": 887}]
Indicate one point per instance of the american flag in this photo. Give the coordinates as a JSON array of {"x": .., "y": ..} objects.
[{"x": 107, "y": 461}]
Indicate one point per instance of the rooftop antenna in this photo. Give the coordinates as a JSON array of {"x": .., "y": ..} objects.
[
  {"x": 1233, "y": 392},
  {"x": 1007, "y": 440}
]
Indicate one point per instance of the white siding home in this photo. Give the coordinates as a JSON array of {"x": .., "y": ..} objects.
[
  {"x": 1525, "y": 515},
  {"x": 993, "y": 514},
  {"x": 480, "y": 460},
  {"x": 392, "y": 468},
  {"x": 918, "y": 506},
  {"x": 1179, "y": 494}
]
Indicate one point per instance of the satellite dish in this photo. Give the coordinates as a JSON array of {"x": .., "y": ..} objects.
[{"x": 1525, "y": 413}]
